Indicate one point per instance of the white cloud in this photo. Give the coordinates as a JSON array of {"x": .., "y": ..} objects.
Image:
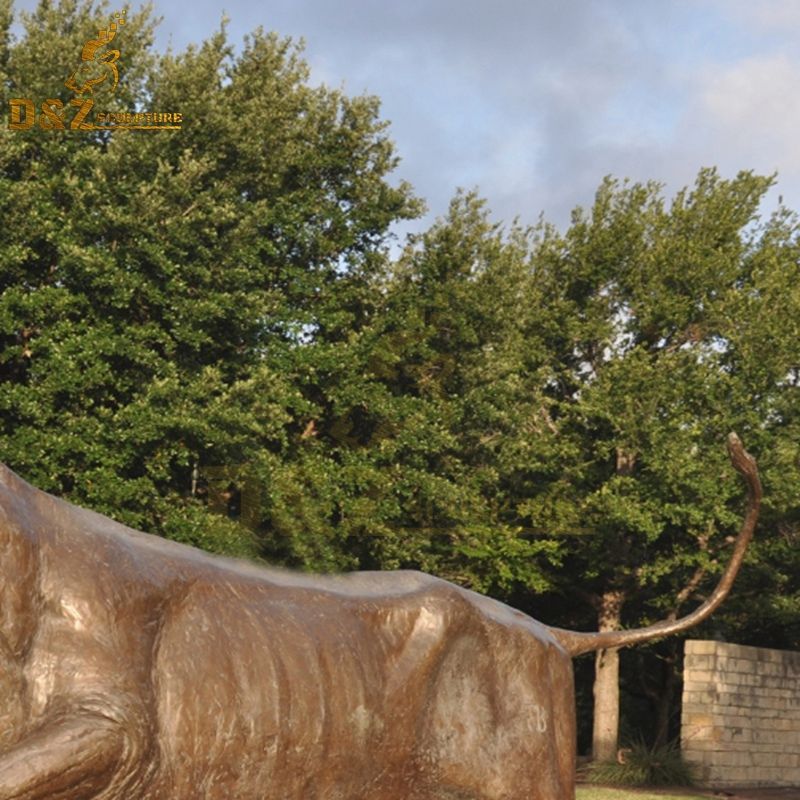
[
  {"x": 534, "y": 102},
  {"x": 750, "y": 110},
  {"x": 764, "y": 14}
]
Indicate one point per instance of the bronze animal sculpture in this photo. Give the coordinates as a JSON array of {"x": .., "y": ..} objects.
[{"x": 133, "y": 668}]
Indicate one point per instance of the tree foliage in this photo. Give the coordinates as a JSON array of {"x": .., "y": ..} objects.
[
  {"x": 214, "y": 312},
  {"x": 675, "y": 331},
  {"x": 157, "y": 287}
]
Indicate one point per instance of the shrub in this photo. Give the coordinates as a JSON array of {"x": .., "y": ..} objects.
[{"x": 640, "y": 765}]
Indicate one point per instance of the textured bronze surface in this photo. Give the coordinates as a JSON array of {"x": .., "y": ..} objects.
[{"x": 133, "y": 668}]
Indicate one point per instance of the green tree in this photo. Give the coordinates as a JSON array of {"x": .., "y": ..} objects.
[
  {"x": 537, "y": 412},
  {"x": 534, "y": 412},
  {"x": 161, "y": 292},
  {"x": 674, "y": 332},
  {"x": 420, "y": 417}
]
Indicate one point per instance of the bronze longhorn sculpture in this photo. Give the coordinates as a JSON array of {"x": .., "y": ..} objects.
[{"x": 134, "y": 668}]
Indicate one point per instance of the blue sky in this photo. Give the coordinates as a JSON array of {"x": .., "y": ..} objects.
[{"x": 534, "y": 101}]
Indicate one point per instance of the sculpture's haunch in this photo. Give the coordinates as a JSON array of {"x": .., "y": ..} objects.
[
  {"x": 132, "y": 668},
  {"x": 137, "y": 668}
]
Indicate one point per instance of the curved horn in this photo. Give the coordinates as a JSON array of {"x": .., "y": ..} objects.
[{"x": 578, "y": 643}]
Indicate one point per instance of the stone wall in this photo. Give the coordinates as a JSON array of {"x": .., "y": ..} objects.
[{"x": 740, "y": 721}]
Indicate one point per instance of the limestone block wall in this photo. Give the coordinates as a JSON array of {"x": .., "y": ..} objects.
[{"x": 740, "y": 721}]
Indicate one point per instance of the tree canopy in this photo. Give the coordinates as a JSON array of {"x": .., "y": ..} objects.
[
  {"x": 157, "y": 288},
  {"x": 215, "y": 312}
]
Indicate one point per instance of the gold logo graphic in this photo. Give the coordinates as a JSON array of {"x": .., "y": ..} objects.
[{"x": 98, "y": 68}]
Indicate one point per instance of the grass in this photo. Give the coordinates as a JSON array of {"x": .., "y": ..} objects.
[
  {"x": 600, "y": 793},
  {"x": 644, "y": 766}
]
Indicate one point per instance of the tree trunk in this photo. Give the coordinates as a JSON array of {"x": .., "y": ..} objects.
[
  {"x": 605, "y": 734},
  {"x": 664, "y": 700},
  {"x": 605, "y": 737},
  {"x": 659, "y": 688}
]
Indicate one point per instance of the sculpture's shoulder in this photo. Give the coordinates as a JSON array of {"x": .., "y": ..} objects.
[
  {"x": 64, "y": 534},
  {"x": 366, "y": 585}
]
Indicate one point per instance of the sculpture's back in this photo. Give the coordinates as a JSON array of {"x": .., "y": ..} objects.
[
  {"x": 147, "y": 669},
  {"x": 320, "y": 691}
]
